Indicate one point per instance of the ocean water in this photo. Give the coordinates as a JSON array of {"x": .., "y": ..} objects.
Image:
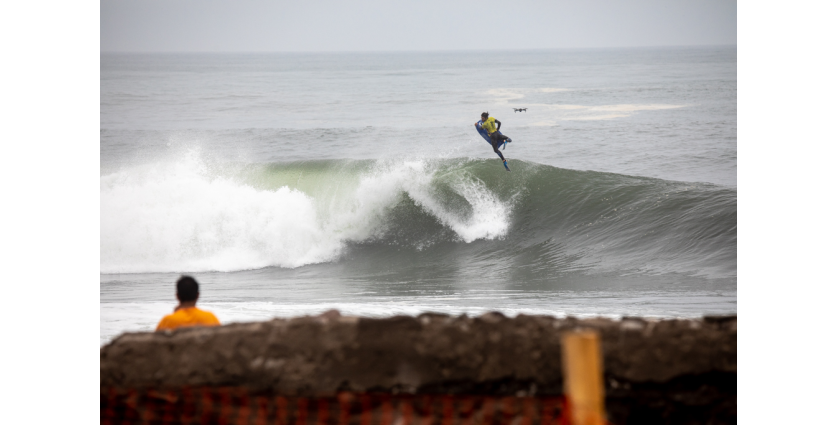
[{"x": 290, "y": 184}]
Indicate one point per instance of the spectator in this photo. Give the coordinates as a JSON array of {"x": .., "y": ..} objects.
[{"x": 186, "y": 314}]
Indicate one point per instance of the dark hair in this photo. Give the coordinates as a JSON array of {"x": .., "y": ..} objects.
[
  {"x": 187, "y": 288},
  {"x": 484, "y": 115}
]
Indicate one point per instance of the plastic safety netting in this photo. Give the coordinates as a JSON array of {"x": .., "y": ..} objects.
[{"x": 240, "y": 406}]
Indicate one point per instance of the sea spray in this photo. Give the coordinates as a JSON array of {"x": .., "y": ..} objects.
[
  {"x": 178, "y": 218},
  {"x": 186, "y": 216}
]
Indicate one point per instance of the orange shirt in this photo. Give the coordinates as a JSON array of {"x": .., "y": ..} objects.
[{"x": 189, "y": 316}]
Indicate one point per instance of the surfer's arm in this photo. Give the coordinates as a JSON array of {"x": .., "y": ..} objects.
[{"x": 498, "y": 124}]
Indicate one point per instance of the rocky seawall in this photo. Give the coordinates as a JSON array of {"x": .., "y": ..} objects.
[{"x": 656, "y": 371}]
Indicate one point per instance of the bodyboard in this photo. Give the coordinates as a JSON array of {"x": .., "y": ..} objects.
[{"x": 484, "y": 133}]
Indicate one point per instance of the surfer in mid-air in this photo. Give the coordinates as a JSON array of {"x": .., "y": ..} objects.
[{"x": 491, "y": 133}]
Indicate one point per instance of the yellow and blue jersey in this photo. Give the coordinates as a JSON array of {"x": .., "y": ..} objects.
[{"x": 489, "y": 126}]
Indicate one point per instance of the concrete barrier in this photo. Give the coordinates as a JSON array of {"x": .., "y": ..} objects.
[{"x": 677, "y": 370}]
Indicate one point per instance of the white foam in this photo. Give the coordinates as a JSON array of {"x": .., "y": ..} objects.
[
  {"x": 490, "y": 215},
  {"x": 504, "y": 95},
  {"x": 547, "y": 114},
  {"x": 178, "y": 217},
  {"x": 174, "y": 217},
  {"x": 489, "y": 219}
]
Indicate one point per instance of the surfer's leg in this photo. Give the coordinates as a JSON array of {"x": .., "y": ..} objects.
[
  {"x": 496, "y": 145},
  {"x": 499, "y": 138},
  {"x": 501, "y": 141}
]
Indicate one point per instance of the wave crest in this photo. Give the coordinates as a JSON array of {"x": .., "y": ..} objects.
[{"x": 185, "y": 216}]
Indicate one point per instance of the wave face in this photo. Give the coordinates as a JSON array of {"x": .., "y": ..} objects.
[{"x": 193, "y": 215}]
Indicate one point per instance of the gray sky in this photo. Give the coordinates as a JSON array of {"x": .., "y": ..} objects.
[{"x": 374, "y": 25}]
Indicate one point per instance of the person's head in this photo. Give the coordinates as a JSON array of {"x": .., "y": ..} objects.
[
  {"x": 187, "y": 289},
  {"x": 484, "y": 116}
]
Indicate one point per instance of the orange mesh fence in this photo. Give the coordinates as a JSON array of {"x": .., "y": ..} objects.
[{"x": 238, "y": 406}]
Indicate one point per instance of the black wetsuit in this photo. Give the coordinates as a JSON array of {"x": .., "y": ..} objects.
[{"x": 497, "y": 140}]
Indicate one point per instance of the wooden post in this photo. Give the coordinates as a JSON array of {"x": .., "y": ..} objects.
[{"x": 583, "y": 377}]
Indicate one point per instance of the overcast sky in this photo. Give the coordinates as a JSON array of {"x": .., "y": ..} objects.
[{"x": 387, "y": 25}]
